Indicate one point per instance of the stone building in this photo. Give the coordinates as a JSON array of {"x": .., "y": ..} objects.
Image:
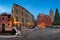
[
  {"x": 21, "y": 16},
  {"x": 51, "y": 15}
]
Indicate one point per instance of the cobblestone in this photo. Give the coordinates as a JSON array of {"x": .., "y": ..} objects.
[{"x": 39, "y": 34}]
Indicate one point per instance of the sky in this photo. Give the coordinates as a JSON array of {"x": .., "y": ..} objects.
[{"x": 35, "y": 7}]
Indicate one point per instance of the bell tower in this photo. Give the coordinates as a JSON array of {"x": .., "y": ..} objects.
[{"x": 51, "y": 15}]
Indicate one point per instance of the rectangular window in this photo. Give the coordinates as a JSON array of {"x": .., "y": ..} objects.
[
  {"x": 22, "y": 20},
  {"x": 16, "y": 11},
  {"x": 8, "y": 16},
  {"x": 26, "y": 20},
  {"x": 2, "y": 18},
  {"x": 22, "y": 13},
  {"x": 16, "y": 18},
  {"x": 26, "y": 15}
]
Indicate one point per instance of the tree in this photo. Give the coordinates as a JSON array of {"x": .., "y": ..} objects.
[
  {"x": 56, "y": 17},
  {"x": 56, "y": 13}
]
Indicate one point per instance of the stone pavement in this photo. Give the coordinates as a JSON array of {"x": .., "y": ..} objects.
[{"x": 38, "y": 34}]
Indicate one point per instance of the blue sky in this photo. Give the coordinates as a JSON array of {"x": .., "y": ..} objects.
[{"x": 33, "y": 6}]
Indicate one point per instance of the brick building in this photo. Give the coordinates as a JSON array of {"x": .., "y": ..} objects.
[
  {"x": 21, "y": 16},
  {"x": 43, "y": 21},
  {"x": 5, "y": 22}
]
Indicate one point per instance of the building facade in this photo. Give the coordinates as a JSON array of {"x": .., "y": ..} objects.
[
  {"x": 43, "y": 21},
  {"x": 21, "y": 16},
  {"x": 5, "y": 22}
]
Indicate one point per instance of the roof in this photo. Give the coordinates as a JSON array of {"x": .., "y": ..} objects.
[
  {"x": 5, "y": 14},
  {"x": 43, "y": 15}
]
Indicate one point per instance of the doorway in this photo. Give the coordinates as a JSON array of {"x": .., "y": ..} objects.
[{"x": 3, "y": 27}]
